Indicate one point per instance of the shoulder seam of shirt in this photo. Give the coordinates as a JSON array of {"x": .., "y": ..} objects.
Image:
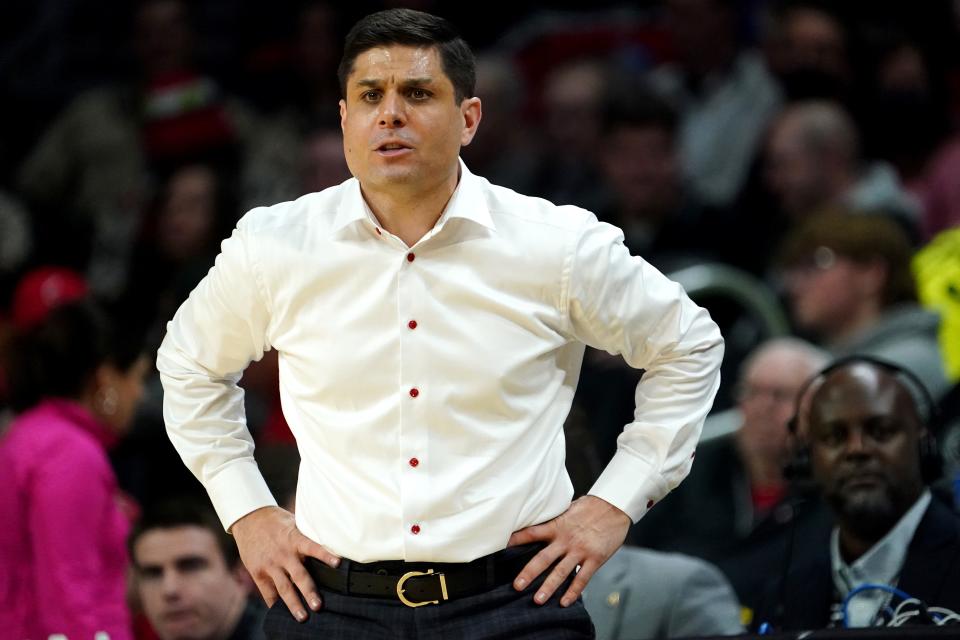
[
  {"x": 257, "y": 275},
  {"x": 566, "y": 274},
  {"x": 544, "y": 221}
]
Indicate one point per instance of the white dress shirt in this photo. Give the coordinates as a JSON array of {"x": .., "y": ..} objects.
[{"x": 427, "y": 386}]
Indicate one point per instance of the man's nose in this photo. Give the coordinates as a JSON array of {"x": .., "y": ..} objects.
[
  {"x": 170, "y": 584},
  {"x": 856, "y": 443},
  {"x": 392, "y": 110}
]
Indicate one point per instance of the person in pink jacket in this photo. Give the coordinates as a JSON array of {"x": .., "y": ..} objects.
[{"x": 63, "y": 561}]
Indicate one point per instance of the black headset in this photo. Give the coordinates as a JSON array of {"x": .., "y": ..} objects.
[{"x": 798, "y": 468}]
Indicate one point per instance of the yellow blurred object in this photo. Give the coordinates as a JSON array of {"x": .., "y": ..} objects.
[{"x": 936, "y": 268}]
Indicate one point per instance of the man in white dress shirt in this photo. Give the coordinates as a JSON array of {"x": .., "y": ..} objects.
[{"x": 430, "y": 330}]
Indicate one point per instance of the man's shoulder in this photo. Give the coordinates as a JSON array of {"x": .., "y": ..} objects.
[
  {"x": 314, "y": 210},
  {"x": 939, "y": 525},
  {"x": 511, "y": 207}
]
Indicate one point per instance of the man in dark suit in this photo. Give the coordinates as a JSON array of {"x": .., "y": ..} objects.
[
  {"x": 736, "y": 509},
  {"x": 867, "y": 440}
]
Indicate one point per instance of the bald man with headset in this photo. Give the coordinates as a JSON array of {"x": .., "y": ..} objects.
[{"x": 863, "y": 427}]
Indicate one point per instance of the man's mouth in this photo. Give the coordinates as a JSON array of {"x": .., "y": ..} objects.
[
  {"x": 392, "y": 149},
  {"x": 862, "y": 480},
  {"x": 177, "y": 616}
]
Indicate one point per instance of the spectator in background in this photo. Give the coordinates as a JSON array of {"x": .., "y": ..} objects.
[
  {"x": 511, "y": 160},
  {"x": 301, "y": 114},
  {"x": 813, "y": 161},
  {"x": 35, "y": 295},
  {"x": 572, "y": 101},
  {"x": 687, "y": 597},
  {"x": 188, "y": 576},
  {"x": 661, "y": 219},
  {"x": 807, "y": 49},
  {"x": 90, "y": 173},
  {"x": 734, "y": 510},
  {"x": 912, "y": 124},
  {"x": 76, "y": 382},
  {"x": 939, "y": 190},
  {"x": 849, "y": 284},
  {"x": 866, "y": 435},
  {"x": 907, "y": 117},
  {"x": 195, "y": 211},
  {"x": 725, "y": 94}
]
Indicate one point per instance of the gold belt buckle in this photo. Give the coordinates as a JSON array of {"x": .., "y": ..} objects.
[{"x": 411, "y": 574}]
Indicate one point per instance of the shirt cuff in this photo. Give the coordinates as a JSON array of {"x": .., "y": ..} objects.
[
  {"x": 238, "y": 489},
  {"x": 630, "y": 484}
]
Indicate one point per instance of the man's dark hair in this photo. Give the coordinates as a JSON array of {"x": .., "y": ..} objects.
[
  {"x": 184, "y": 512},
  {"x": 411, "y": 28}
]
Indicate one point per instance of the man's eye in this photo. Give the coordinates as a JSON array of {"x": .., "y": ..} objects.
[
  {"x": 150, "y": 573},
  {"x": 419, "y": 94},
  {"x": 832, "y": 438},
  {"x": 370, "y": 96}
]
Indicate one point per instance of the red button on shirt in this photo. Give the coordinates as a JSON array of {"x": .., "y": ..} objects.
[
  {"x": 414, "y": 462},
  {"x": 410, "y": 257},
  {"x": 414, "y": 392},
  {"x": 379, "y": 233},
  {"x": 412, "y": 324},
  {"x": 415, "y": 529},
  {"x": 649, "y": 504}
]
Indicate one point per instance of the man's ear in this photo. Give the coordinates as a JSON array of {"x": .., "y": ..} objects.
[
  {"x": 472, "y": 112},
  {"x": 343, "y": 113}
]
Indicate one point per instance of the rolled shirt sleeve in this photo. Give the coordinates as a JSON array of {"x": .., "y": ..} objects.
[
  {"x": 623, "y": 305},
  {"x": 212, "y": 338}
]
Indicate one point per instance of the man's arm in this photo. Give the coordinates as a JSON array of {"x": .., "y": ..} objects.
[
  {"x": 212, "y": 338},
  {"x": 621, "y": 304}
]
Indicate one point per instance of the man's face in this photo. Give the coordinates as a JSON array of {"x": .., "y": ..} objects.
[
  {"x": 649, "y": 184},
  {"x": 402, "y": 125},
  {"x": 827, "y": 291},
  {"x": 864, "y": 433},
  {"x": 792, "y": 172},
  {"x": 187, "y": 590},
  {"x": 767, "y": 397}
]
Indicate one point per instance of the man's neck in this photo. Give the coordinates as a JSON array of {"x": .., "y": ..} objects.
[
  {"x": 410, "y": 215},
  {"x": 853, "y": 546},
  {"x": 856, "y": 539}
]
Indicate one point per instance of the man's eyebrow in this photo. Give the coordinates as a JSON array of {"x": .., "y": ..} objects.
[
  {"x": 147, "y": 567},
  {"x": 409, "y": 82}
]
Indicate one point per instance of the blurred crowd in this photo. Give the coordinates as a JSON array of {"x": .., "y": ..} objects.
[{"x": 793, "y": 163}]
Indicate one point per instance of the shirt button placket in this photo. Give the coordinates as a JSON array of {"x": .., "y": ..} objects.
[{"x": 413, "y": 438}]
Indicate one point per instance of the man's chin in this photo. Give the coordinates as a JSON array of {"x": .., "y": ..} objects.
[
  {"x": 867, "y": 509},
  {"x": 179, "y": 627}
]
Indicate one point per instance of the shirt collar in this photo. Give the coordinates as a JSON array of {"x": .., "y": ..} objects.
[
  {"x": 882, "y": 562},
  {"x": 467, "y": 202}
]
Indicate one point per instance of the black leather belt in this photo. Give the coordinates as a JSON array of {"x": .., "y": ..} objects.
[{"x": 420, "y": 583}]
